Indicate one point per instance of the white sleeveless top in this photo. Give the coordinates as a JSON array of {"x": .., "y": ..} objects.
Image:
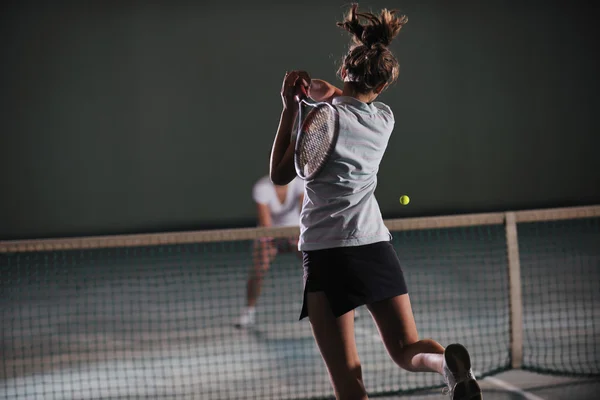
[{"x": 339, "y": 207}]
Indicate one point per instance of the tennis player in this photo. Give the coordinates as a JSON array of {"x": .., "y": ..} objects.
[
  {"x": 276, "y": 205},
  {"x": 347, "y": 256}
]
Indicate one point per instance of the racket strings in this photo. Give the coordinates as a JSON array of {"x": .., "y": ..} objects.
[{"x": 318, "y": 135}]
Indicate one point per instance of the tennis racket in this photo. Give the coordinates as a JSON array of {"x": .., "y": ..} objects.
[{"x": 318, "y": 128}]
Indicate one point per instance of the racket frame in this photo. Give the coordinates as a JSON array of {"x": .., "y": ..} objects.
[{"x": 300, "y": 134}]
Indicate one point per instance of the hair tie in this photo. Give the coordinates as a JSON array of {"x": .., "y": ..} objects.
[{"x": 350, "y": 77}]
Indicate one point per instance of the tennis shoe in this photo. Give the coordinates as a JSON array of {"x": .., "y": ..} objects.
[
  {"x": 458, "y": 374},
  {"x": 247, "y": 319}
]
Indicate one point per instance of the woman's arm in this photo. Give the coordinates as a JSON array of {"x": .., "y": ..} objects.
[
  {"x": 282, "y": 169},
  {"x": 323, "y": 91},
  {"x": 282, "y": 155}
]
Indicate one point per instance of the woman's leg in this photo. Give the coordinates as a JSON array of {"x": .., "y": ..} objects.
[
  {"x": 396, "y": 324},
  {"x": 335, "y": 339}
]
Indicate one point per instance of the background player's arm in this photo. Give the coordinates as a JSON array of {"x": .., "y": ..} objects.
[
  {"x": 264, "y": 216},
  {"x": 323, "y": 91}
]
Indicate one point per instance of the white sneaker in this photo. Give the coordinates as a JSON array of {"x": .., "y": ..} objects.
[
  {"x": 458, "y": 374},
  {"x": 247, "y": 319}
]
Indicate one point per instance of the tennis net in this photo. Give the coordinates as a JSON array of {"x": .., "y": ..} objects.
[{"x": 152, "y": 316}]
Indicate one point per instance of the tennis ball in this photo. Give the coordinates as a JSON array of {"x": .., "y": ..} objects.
[{"x": 404, "y": 200}]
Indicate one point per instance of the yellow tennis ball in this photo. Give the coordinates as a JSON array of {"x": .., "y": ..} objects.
[{"x": 404, "y": 200}]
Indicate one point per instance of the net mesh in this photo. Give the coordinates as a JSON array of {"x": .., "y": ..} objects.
[
  {"x": 152, "y": 316},
  {"x": 560, "y": 264},
  {"x": 318, "y": 130}
]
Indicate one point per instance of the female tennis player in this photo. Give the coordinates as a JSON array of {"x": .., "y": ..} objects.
[
  {"x": 347, "y": 256},
  {"x": 276, "y": 205}
]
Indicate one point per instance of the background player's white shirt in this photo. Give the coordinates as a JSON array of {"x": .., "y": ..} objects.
[{"x": 282, "y": 214}]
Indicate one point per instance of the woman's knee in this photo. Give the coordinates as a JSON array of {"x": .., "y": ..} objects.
[
  {"x": 401, "y": 357},
  {"x": 399, "y": 349},
  {"x": 404, "y": 355}
]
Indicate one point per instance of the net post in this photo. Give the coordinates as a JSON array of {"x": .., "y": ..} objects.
[{"x": 516, "y": 299}]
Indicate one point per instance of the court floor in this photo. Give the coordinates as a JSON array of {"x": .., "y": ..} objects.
[{"x": 524, "y": 385}]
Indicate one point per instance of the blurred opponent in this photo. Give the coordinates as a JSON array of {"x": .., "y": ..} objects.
[{"x": 276, "y": 206}]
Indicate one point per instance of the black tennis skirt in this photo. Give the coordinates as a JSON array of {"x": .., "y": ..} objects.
[{"x": 353, "y": 276}]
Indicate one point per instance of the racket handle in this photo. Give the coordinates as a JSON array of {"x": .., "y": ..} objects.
[{"x": 302, "y": 95}]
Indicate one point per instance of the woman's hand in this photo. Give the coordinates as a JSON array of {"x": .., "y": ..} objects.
[{"x": 295, "y": 83}]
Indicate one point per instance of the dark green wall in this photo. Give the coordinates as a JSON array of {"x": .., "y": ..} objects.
[{"x": 125, "y": 118}]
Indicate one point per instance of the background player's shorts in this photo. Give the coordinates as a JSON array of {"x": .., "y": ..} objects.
[
  {"x": 353, "y": 276},
  {"x": 282, "y": 245}
]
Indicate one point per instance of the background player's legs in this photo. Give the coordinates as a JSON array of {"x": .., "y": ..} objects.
[
  {"x": 396, "y": 325},
  {"x": 263, "y": 254},
  {"x": 335, "y": 339}
]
